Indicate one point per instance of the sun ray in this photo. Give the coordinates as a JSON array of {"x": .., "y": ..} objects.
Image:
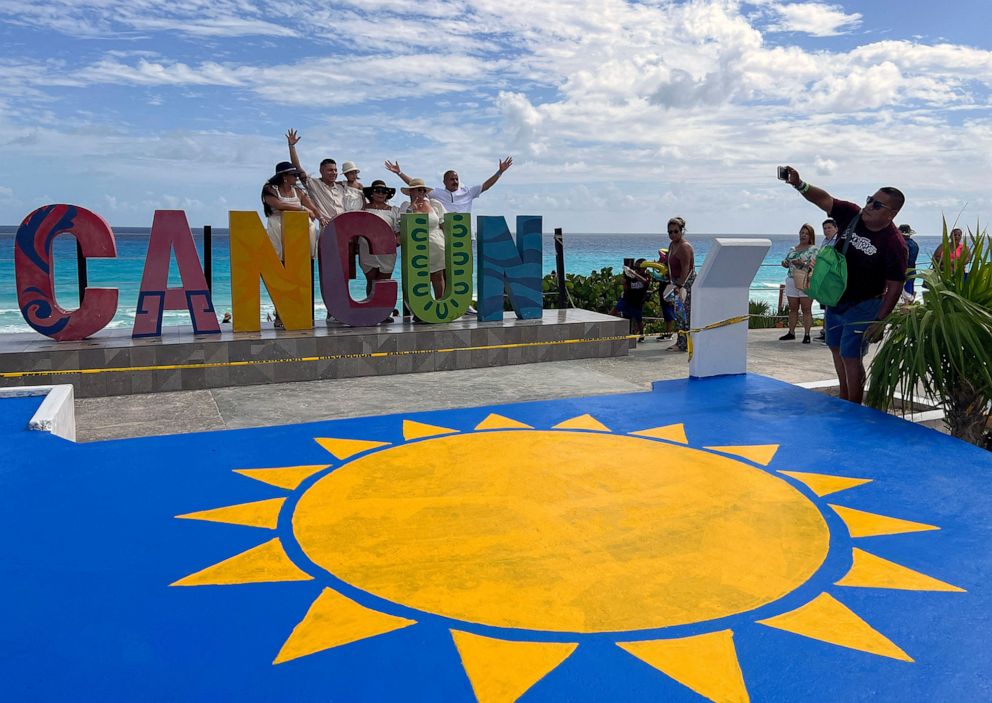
[
  {"x": 288, "y": 477},
  {"x": 520, "y": 664},
  {"x": 862, "y": 524},
  {"x": 498, "y": 422},
  {"x": 758, "y": 453},
  {"x": 347, "y": 448},
  {"x": 707, "y": 664},
  {"x": 673, "y": 433},
  {"x": 825, "y": 484},
  {"x": 582, "y": 422},
  {"x": 417, "y": 430},
  {"x": 334, "y": 620},
  {"x": 870, "y": 571},
  {"x": 827, "y": 619},
  {"x": 262, "y": 564},
  {"x": 262, "y": 513}
]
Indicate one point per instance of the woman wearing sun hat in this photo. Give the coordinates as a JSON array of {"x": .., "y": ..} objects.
[
  {"x": 354, "y": 198},
  {"x": 379, "y": 266},
  {"x": 420, "y": 202},
  {"x": 282, "y": 193}
]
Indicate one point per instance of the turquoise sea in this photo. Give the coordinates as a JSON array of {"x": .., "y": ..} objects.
[{"x": 583, "y": 253}]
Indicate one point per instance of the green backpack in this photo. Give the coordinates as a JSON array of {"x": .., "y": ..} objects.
[{"x": 829, "y": 279}]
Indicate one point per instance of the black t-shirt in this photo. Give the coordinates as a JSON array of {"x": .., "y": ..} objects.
[
  {"x": 634, "y": 293},
  {"x": 872, "y": 257}
]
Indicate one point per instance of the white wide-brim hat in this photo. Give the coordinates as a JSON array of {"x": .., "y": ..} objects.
[
  {"x": 349, "y": 166},
  {"x": 416, "y": 183}
]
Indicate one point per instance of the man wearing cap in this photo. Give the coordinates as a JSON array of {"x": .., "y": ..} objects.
[
  {"x": 327, "y": 194},
  {"x": 876, "y": 270},
  {"x": 908, "y": 291},
  {"x": 454, "y": 196}
]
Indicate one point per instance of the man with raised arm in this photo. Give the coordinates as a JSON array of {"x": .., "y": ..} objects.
[
  {"x": 325, "y": 192},
  {"x": 876, "y": 269},
  {"x": 454, "y": 196}
]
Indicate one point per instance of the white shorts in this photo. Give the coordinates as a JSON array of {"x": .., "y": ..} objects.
[
  {"x": 791, "y": 291},
  {"x": 384, "y": 262}
]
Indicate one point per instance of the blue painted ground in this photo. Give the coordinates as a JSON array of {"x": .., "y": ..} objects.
[{"x": 91, "y": 545}]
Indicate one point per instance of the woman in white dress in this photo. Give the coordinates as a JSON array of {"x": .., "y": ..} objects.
[
  {"x": 282, "y": 193},
  {"x": 420, "y": 202},
  {"x": 379, "y": 266},
  {"x": 354, "y": 197}
]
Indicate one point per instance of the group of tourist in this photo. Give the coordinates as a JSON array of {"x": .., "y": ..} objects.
[
  {"x": 878, "y": 254},
  {"x": 675, "y": 276},
  {"x": 324, "y": 197},
  {"x": 802, "y": 257}
]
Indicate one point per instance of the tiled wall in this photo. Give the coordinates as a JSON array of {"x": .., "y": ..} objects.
[{"x": 460, "y": 345}]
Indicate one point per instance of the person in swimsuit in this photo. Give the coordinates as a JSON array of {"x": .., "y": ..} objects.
[{"x": 682, "y": 269}]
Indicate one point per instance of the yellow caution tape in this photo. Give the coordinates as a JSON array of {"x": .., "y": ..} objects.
[
  {"x": 305, "y": 359},
  {"x": 716, "y": 325}
]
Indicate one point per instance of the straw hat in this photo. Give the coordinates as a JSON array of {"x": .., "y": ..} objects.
[
  {"x": 416, "y": 183},
  {"x": 349, "y": 166}
]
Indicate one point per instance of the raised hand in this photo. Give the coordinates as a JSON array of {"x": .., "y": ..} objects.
[
  {"x": 393, "y": 167},
  {"x": 505, "y": 164},
  {"x": 292, "y": 137},
  {"x": 793, "y": 178}
]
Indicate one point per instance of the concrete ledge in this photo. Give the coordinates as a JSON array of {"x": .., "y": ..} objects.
[
  {"x": 111, "y": 363},
  {"x": 56, "y": 414}
]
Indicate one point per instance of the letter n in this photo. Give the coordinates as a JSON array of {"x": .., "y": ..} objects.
[
  {"x": 289, "y": 284},
  {"x": 511, "y": 267}
]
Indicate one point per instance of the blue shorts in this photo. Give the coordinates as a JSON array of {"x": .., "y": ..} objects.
[
  {"x": 846, "y": 324},
  {"x": 668, "y": 311},
  {"x": 632, "y": 313}
]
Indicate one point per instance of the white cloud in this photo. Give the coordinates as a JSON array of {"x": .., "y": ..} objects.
[
  {"x": 675, "y": 105},
  {"x": 815, "y": 18}
]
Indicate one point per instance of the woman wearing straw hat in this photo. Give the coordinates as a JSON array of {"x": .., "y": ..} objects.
[
  {"x": 354, "y": 198},
  {"x": 379, "y": 266},
  {"x": 420, "y": 202}
]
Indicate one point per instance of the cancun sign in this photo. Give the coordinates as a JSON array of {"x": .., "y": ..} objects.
[{"x": 505, "y": 265}]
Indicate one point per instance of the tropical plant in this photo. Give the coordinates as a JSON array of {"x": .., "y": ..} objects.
[
  {"x": 942, "y": 345},
  {"x": 760, "y": 312}
]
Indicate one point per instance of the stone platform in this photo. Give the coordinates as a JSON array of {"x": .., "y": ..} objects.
[{"x": 112, "y": 363}]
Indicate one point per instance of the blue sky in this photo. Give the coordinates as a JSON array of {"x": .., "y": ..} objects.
[{"x": 618, "y": 114}]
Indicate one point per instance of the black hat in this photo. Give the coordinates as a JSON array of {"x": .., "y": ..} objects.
[
  {"x": 285, "y": 167},
  {"x": 390, "y": 192}
]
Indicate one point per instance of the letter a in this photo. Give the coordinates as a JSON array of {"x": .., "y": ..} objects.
[{"x": 170, "y": 232}]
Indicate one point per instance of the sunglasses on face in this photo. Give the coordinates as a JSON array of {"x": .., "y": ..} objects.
[
  {"x": 876, "y": 204},
  {"x": 378, "y": 189}
]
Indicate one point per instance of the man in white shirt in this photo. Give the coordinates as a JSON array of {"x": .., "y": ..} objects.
[
  {"x": 325, "y": 192},
  {"x": 454, "y": 196}
]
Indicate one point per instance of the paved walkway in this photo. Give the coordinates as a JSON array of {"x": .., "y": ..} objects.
[{"x": 253, "y": 406}]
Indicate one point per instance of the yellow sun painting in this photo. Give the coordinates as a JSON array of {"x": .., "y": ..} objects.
[{"x": 552, "y": 535}]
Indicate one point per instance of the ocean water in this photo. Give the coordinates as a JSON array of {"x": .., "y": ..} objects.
[{"x": 584, "y": 253}]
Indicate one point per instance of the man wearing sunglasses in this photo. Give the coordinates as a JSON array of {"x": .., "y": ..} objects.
[{"x": 876, "y": 270}]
